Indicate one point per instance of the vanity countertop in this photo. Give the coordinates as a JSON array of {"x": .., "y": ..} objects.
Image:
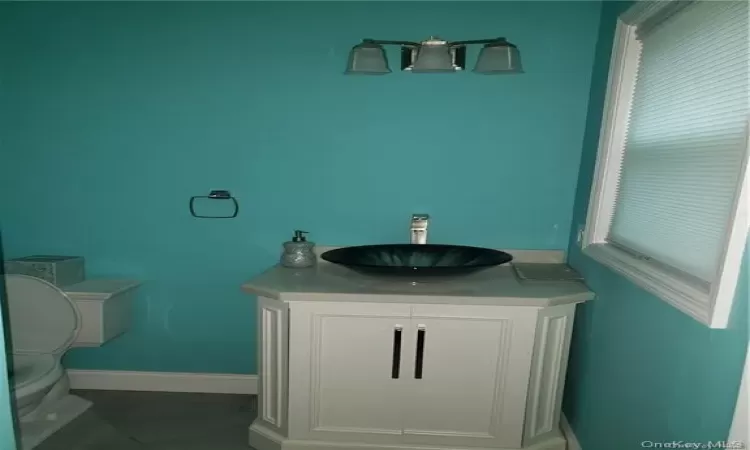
[{"x": 498, "y": 286}]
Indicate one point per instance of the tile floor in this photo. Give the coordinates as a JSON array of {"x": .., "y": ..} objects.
[{"x": 121, "y": 420}]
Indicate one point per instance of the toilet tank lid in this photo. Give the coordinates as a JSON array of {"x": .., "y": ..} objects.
[{"x": 99, "y": 289}]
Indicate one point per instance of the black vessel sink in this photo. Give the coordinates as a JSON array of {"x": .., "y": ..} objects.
[{"x": 416, "y": 259}]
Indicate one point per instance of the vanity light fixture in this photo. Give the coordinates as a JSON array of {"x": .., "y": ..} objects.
[{"x": 435, "y": 55}]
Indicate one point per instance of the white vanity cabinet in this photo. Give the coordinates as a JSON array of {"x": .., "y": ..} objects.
[{"x": 370, "y": 375}]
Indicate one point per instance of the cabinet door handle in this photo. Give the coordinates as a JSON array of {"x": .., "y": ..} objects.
[
  {"x": 421, "y": 332},
  {"x": 396, "y": 365}
]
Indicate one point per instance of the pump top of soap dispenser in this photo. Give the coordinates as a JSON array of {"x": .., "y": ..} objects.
[{"x": 299, "y": 236}]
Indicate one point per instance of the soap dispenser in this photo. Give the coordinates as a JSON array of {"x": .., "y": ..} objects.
[{"x": 298, "y": 252}]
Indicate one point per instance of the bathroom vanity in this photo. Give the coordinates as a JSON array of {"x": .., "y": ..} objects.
[{"x": 350, "y": 361}]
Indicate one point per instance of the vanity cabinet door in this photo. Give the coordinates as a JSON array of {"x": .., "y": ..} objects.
[
  {"x": 346, "y": 371},
  {"x": 471, "y": 368}
]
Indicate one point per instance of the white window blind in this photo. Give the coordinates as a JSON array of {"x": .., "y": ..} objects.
[{"x": 686, "y": 137}]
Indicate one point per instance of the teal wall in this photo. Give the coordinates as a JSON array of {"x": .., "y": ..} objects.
[
  {"x": 640, "y": 369},
  {"x": 114, "y": 114}
]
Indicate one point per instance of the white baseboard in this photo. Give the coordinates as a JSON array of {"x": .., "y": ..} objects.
[
  {"x": 120, "y": 380},
  {"x": 570, "y": 436}
]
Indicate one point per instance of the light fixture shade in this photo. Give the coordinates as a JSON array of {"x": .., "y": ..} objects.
[
  {"x": 499, "y": 57},
  {"x": 367, "y": 58},
  {"x": 433, "y": 55}
]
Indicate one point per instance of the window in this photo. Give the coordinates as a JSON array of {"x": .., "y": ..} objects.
[{"x": 669, "y": 204}]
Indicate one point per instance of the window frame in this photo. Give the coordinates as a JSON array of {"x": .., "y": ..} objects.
[{"x": 709, "y": 303}]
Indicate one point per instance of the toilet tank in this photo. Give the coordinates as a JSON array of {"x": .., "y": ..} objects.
[
  {"x": 106, "y": 309},
  {"x": 56, "y": 269}
]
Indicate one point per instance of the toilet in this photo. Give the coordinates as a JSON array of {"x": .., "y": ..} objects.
[{"x": 44, "y": 323}]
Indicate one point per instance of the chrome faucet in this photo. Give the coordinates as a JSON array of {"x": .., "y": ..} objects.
[{"x": 419, "y": 224}]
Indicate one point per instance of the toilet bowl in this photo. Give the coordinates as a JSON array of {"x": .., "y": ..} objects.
[
  {"x": 44, "y": 322},
  {"x": 33, "y": 377}
]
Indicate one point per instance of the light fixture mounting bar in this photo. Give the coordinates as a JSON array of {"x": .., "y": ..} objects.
[
  {"x": 380, "y": 42},
  {"x": 478, "y": 41}
]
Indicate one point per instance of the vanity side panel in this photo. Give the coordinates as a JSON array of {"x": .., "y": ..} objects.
[
  {"x": 273, "y": 364},
  {"x": 549, "y": 364}
]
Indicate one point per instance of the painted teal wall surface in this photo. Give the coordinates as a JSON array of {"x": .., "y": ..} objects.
[
  {"x": 114, "y": 114},
  {"x": 640, "y": 370}
]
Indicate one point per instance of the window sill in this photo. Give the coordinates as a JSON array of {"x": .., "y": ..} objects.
[{"x": 679, "y": 291}]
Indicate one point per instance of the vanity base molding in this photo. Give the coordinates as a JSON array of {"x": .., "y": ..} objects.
[{"x": 261, "y": 438}]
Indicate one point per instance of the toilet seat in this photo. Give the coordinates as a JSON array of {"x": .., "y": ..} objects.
[{"x": 43, "y": 319}]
